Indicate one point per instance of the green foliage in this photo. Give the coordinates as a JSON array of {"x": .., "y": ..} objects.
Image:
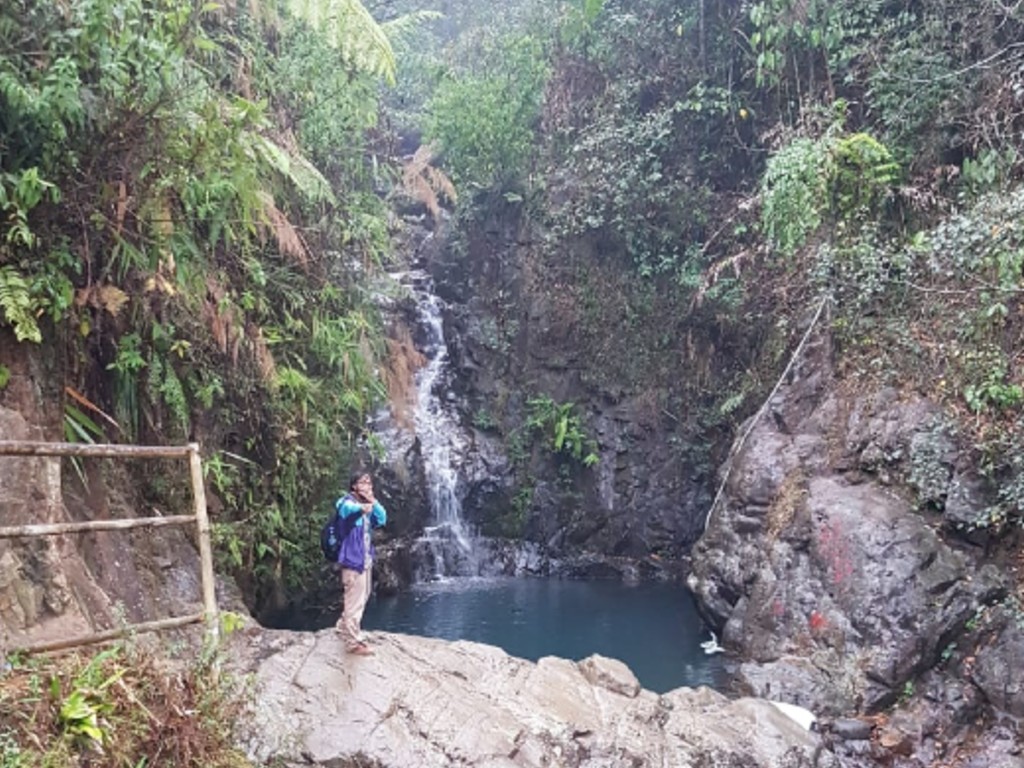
[
  {"x": 347, "y": 25},
  {"x": 5, "y": 376},
  {"x": 513, "y": 526},
  {"x": 19, "y": 194},
  {"x": 628, "y": 186},
  {"x": 823, "y": 34},
  {"x": 845, "y": 177},
  {"x": 993, "y": 391},
  {"x": 483, "y": 419},
  {"x": 986, "y": 172},
  {"x": 18, "y": 305},
  {"x": 231, "y": 622},
  {"x": 904, "y": 63},
  {"x": 119, "y": 707},
  {"x": 10, "y": 753},
  {"x": 935, "y": 315},
  {"x": 483, "y": 119},
  {"x": 330, "y": 111},
  {"x": 79, "y": 428},
  {"x": 907, "y": 693},
  {"x": 863, "y": 174},
  {"x": 85, "y": 707},
  {"x": 563, "y": 428},
  {"x": 189, "y": 189},
  {"x": 512, "y": 523},
  {"x": 794, "y": 193},
  {"x": 591, "y": 9},
  {"x": 80, "y": 716}
]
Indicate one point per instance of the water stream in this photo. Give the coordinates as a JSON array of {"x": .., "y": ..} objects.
[{"x": 446, "y": 547}]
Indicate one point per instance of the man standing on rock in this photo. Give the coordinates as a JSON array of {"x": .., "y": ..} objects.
[{"x": 358, "y": 513}]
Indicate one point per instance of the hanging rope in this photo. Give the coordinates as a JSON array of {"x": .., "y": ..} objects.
[{"x": 738, "y": 446}]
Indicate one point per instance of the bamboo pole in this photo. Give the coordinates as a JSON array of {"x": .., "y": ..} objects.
[
  {"x": 205, "y": 550},
  {"x": 31, "y": 448},
  {"x": 201, "y": 518},
  {"x": 51, "y": 529},
  {"x": 111, "y": 634}
]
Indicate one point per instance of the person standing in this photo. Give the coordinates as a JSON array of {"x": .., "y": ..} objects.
[{"x": 359, "y": 513}]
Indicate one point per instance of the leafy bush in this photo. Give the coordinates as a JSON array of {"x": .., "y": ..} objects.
[
  {"x": 563, "y": 428},
  {"x": 795, "y": 191},
  {"x": 483, "y": 119},
  {"x": 845, "y": 177}
]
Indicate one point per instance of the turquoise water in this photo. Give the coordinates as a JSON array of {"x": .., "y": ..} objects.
[{"x": 653, "y": 628}]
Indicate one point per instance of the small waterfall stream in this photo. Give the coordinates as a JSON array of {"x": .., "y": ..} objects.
[{"x": 446, "y": 547}]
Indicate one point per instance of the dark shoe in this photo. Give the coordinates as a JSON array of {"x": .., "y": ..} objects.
[{"x": 361, "y": 650}]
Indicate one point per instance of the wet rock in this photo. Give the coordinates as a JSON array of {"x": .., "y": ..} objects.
[
  {"x": 851, "y": 729},
  {"x": 825, "y": 570},
  {"x": 997, "y": 671}
]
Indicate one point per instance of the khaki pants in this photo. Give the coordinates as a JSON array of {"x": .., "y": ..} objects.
[{"x": 356, "y": 587}]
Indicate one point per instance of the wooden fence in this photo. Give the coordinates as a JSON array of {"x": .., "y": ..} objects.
[{"x": 199, "y": 518}]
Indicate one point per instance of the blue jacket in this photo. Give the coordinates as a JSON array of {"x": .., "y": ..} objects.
[{"x": 352, "y": 553}]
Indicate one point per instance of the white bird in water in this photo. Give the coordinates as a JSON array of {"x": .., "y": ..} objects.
[{"x": 712, "y": 646}]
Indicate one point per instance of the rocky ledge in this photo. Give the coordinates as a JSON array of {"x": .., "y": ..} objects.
[{"x": 431, "y": 703}]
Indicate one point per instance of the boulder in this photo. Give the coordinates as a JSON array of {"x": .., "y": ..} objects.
[
  {"x": 431, "y": 703},
  {"x": 825, "y": 564}
]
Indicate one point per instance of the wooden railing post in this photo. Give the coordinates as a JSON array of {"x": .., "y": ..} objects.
[
  {"x": 199, "y": 518},
  {"x": 205, "y": 549}
]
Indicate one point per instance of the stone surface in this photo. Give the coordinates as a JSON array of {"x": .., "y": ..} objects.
[
  {"x": 55, "y": 587},
  {"x": 836, "y": 571},
  {"x": 431, "y": 703}
]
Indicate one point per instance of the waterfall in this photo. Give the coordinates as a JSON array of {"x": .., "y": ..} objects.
[{"x": 446, "y": 547}]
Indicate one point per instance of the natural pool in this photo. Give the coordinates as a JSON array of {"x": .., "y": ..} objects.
[{"x": 654, "y": 628}]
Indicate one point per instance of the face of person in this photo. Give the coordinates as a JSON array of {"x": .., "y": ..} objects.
[{"x": 364, "y": 485}]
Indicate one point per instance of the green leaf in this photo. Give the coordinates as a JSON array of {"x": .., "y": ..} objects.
[{"x": 561, "y": 426}]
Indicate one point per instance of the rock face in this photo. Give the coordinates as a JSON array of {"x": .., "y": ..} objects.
[
  {"x": 55, "y": 587},
  {"x": 430, "y": 704},
  {"x": 515, "y": 327},
  {"x": 832, "y": 567}
]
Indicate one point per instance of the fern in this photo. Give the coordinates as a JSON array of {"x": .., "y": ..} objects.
[
  {"x": 174, "y": 397},
  {"x": 350, "y": 28},
  {"x": 305, "y": 176},
  {"x": 18, "y": 305},
  {"x": 424, "y": 183},
  {"x": 402, "y": 30}
]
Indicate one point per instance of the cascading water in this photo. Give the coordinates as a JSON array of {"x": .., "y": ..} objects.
[{"x": 446, "y": 547}]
